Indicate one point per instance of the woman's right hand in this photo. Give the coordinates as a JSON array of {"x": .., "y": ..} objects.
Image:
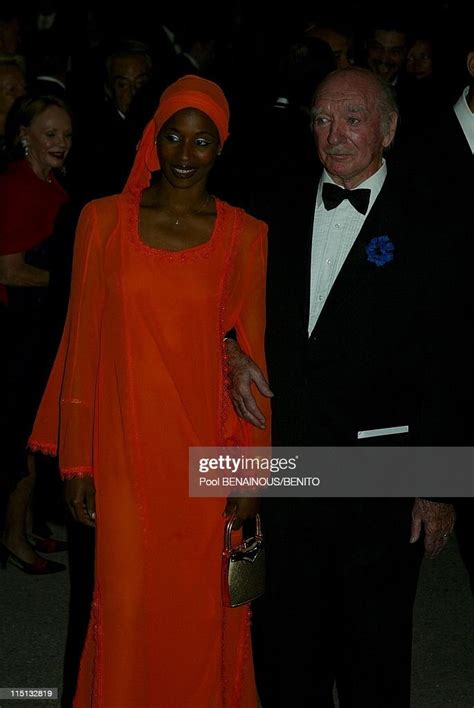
[
  {"x": 14, "y": 272},
  {"x": 79, "y": 494}
]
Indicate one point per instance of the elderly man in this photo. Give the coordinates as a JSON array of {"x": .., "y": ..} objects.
[{"x": 350, "y": 324}]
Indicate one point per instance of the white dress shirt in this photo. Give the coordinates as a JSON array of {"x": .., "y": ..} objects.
[
  {"x": 334, "y": 233},
  {"x": 465, "y": 117},
  {"x": 45, "y": 20}
]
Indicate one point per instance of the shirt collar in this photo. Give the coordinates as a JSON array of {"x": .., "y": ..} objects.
[
  {"x": 45, "y": 20},
  {"x": 52, "y": 79},
  {"x": 281, "y": 102},
  {"x": 465, "y": 117},
  {"x": 191, "y": 59},
  {"x": 374, "y": 183},
  {"x": 172, "y": 38}
]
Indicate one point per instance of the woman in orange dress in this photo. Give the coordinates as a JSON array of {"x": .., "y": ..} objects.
[{"x": 160, "y": 274}]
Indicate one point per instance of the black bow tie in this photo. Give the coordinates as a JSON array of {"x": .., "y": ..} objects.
[{"x": 334, "y": 195}]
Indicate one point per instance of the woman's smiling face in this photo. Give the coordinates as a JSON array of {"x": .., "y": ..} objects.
[
  {"x": 187, "y": 146},
  {"x": 48, "y": 139}
]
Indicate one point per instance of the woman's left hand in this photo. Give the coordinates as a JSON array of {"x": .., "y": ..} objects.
[{"x": 243, "y": 507}]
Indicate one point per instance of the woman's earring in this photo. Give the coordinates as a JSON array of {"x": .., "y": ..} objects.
[{"x": 24, "y": 144}]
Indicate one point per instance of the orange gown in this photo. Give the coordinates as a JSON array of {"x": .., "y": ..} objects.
[{"x": 138, "y": 379}]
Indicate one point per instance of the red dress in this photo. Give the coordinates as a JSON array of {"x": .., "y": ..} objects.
[
  {"x": 29, "y": 207},
  {"x": 139, "y": 378}
]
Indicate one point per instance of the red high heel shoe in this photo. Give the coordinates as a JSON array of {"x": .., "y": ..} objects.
[{"x": 40, "y": 566}]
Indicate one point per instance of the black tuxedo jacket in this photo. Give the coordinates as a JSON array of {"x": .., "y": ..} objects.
[
  {"x": 454, "y": 154},
  {"x": 365, "y": 365},
  {"x": 447, "y": 182},
  {"x": 451, "y": 182}
]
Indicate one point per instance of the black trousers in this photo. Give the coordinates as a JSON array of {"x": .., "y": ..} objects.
[
  {"x": 465, "y": 534},
  {"x": 81, "y": 571},
  {"x": 341, "y": 584}
]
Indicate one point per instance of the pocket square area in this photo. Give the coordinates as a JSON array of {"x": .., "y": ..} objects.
[{"x": 378, "y": 432}]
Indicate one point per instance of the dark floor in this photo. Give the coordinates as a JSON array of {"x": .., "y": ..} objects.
[
  {"x": 443, "y": 665},
  {"x": 33, "y": 626}
]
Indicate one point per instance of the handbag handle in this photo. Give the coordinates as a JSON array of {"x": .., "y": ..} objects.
[{"x": 228, "y": 531}]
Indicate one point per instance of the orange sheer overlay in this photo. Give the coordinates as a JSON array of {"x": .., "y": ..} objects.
[{"x": 140, "y": 377}]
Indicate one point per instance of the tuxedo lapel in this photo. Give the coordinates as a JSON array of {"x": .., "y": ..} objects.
[
  {"x": 358, "y": 266},
  {"x": 306, "y": 260},
  {"x": 456, "y": 157},
  {"x": 300, "y": 226},
  {"x": 290, "y": 213}
]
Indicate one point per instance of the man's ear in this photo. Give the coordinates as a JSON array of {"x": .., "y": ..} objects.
[
  {"x": 392, "y": 129},
  {"x": 470, "y": 63}
]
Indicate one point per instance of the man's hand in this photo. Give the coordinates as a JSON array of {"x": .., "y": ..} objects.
[
  {"x": 243, "y": 507},
  {"x": 438, "y": 520},
  {"x": 79, "y": 493},
  {"x": 242, "y": 372}
]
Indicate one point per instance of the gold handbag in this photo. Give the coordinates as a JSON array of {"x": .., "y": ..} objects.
[{"x": 243, "y": 567}]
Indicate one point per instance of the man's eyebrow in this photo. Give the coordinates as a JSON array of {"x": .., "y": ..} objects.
[
  {"x": 357, "y": 109},
  {"x": 126, "y": 78}
]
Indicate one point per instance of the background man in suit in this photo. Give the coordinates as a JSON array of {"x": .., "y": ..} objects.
[
  {"x": 386, "y": 47},
  {"x": 445, "y": 148},
  {"x": 338, "y": 35},
  {"x": 107, "y": 127},
  {"x": 350, "y": 325},
  {"x": 459, "y": 160}
]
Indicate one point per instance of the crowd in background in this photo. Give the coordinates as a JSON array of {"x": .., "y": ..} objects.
[{"x": 111, "y": 67}]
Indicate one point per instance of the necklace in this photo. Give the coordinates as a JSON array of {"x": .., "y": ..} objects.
[{"x": 178, "y": 217}]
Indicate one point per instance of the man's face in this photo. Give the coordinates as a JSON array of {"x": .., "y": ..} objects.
[
  {"x": 386, "y": 53},
  {"x": 340, "y": 45},
  {"x": 9, "y": 36},
  {"x": 419, "y": 59},
  {"x": 12, "y": 85},
  {"x": 347, "y": 127},
  {"x": 127, "y": 76}
]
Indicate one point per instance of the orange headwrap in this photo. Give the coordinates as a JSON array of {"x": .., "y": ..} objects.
[{"x": 187, "y": 92}]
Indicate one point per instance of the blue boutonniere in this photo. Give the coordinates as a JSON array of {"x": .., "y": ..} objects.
[{"x": 380, "y": 250}]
